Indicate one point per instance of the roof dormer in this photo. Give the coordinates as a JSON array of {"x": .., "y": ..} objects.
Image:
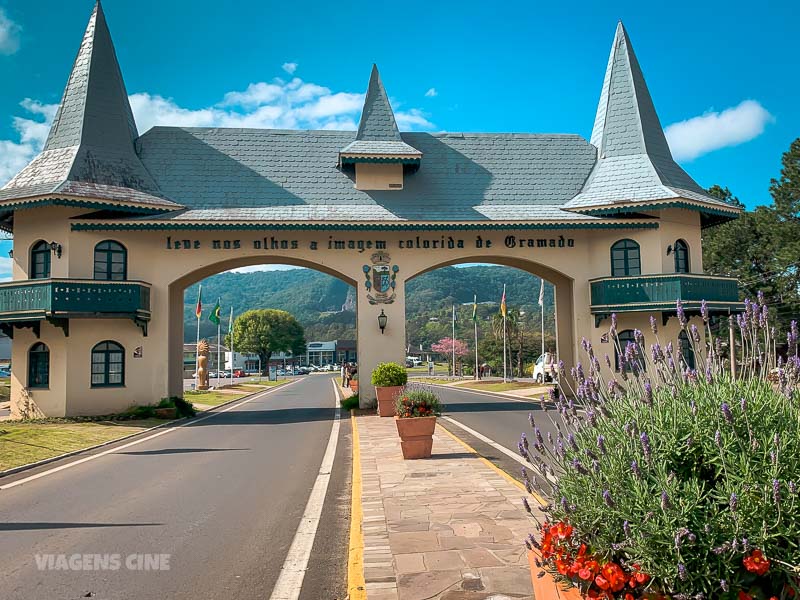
[{"x": 379, "y": 154}]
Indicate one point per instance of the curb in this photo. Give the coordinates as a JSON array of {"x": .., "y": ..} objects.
[
  {"x": 46, "y": 461},
  {"x": 356, "y": 586}
]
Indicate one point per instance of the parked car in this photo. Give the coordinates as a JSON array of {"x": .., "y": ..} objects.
[
  {"x": 303, "y": 370},
  {"x": 544, "y": 370},
  {"x": 239, "y": 373},
  {"x": 281, "y": 373},
  {"x": 5, "y": 373},
  {"x": 224, "y": 374}
]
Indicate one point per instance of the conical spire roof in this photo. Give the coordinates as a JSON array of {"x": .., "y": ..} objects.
[
  {"x": 634, "y": 162},
  {"x": 90, "y": 149},
  {"x": 378, "y": 134}
]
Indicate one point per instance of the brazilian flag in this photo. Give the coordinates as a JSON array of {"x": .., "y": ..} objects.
[{"x": 216, "y": 314}]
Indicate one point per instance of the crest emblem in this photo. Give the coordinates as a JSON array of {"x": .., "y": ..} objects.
[{"x": 380, "y": 279}]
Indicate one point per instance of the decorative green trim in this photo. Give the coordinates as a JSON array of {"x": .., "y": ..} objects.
[
  {"x": 472, "y": 226},
  {"x": 666, "y": 307},
  {"x": 45, "y": 202},
  {"x": 351, "y": 160},
  {"x": 637, "y": 207}
]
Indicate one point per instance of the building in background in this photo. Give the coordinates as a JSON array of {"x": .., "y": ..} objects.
[{"x": 190, "y": 358}]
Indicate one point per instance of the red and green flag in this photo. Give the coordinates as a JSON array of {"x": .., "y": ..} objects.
[{"x": 198, "y": 311}]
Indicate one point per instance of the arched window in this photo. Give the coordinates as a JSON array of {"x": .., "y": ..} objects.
[
  {"x": 110, "y": 261},
  {"x": 40, "y": 260},
  {"x": 108, "y": 364},
  {"x": 681, "y": 257},
  {"x": 687, "y": 351},
  {"x": 624, "y": 338},
  {"x": 39, "y": 366},
  {"x": 625, "y": 259}
]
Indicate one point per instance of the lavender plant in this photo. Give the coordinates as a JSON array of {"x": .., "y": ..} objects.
[{"x": 674, "y": 481}]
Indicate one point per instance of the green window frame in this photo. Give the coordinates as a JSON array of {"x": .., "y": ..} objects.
[
  {"x": 686, "y": 349},
  {"x": 108, "y": 364},
  {"x": 40, "y": 260},
  {"x": 110, "y": 261},
  {"x": 625, "y": 337},
  {"x": 681, "y": 251},
  {"x": 39, "y": 366},
  {"x": 625, "y": 258}
]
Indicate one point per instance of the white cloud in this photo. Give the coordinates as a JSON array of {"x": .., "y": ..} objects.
[
  {"x": 9, "y": 34},
  {"x": 255, "y": 268},
  {"x": 277, "y": 104},
  {"x": 5, "y": 268},
  {"x": 289, "y": 67},
  {"x": 714, "y": 130},
  {"x": 431, "y": 93}
]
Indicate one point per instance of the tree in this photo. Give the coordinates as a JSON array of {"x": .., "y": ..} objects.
[
  {"x": 267, "y": 331},
  {"x": 445, "y": 346}
]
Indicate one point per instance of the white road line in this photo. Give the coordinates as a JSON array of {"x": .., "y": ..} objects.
[
  {"x": 500, "y": 448},
  {"x": 139, "y": 441},
  {"x": 293, "y": 571}
]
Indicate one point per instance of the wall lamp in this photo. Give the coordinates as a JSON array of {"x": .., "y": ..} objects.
[
  {"x": 382, "y": 319},
  {"x": 55, "y": 248}
]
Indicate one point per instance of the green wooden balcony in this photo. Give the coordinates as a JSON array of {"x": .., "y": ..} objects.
[
  {"x": 659, "y": 293},
  {"x": 28, "y": 303}
]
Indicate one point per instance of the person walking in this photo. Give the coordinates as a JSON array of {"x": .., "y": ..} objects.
[{"x": 344, "y": 374}]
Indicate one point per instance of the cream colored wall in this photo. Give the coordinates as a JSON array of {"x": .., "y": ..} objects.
[
  {"x": 153, "y": 258},
  {"x": 376, "y": 176}
]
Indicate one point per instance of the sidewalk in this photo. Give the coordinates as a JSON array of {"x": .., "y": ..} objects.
[{"x": 449, "y": 527}]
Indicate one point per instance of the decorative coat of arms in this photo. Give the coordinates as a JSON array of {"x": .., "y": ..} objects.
[{"x": 380, "y": 279}]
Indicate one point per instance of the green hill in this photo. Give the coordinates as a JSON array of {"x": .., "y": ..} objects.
[{"x": 317, "y": 300}]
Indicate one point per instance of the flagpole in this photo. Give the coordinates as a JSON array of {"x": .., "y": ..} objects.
[
  {"x": 475, "y": 325},
  {"x": 230, "y": 333},
  {"x": 454, "y": 340},
  {"x": 198, "y": 314},
  {"x": 219, "y": 322},
  {"x": 541, "y": 308},
  {"x": 505, "y": 310}
]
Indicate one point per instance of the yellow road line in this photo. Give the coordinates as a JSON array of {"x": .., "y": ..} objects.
[
  {"x": 356, "y": 587},
  {"x": 491, "y": 465}
]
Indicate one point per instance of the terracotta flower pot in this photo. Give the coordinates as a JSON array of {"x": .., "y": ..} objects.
[
  {"x": 387, "y": 396},
  {"x": 354, "y": 385},
  {"x": 416, "y": 436},
  {"x": 545, "y": 587}
]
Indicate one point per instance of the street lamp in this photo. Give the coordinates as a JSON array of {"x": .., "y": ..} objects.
[{"x": 382, "y": 319}]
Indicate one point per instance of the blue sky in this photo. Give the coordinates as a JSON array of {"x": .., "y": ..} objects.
[{"x": 722, "y": 74}]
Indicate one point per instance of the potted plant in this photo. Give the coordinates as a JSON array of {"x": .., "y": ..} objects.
[
  {"x": 672, "y": 481},
  {"x": 417, "y": 410},
  {"x": 388, "y": 379}
]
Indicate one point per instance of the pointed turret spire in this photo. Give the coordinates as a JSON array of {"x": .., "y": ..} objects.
[
  {"x": 377, "y": 118},
  {"x": 634, "y": 162},
  {"x": 378, "y": 138},
  {"x": 90, "y": 149}
]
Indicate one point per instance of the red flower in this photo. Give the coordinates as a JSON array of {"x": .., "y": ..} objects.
[
  {"x": 614, "y": 575},
  {"x": 561, "y": 530},
  {"x": 756, "y": 563},
  {"x": 744, "y": 596}
]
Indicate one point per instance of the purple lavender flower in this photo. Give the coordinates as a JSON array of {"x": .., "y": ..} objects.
[
  {"x": 743, "y": 404},
  {"x": 550, "y": 438},
  {"x": 773, "y": 457},
  {"x": 734, "y": 545},
  {"x": 608, "y": 499},
  {"x": 724, "y": 585},
  {"x": 526, "y": 505},
  {"x": 578, "y": 466},
  {"x": 792, "y": 487},
  {"x": 538, "y": 433},
  {"x": 591, "y": 417},
  {"x": 626, "y": 527},
  {"x": 704, "y": 310},
  {"x": 531, "y": 420},
  {"x": 648, "y": 393},
  {"x": 666, "y": 504},
  {"x": 745, "y": 545},
  {"x": 572, "y": 443},
  {"x": 733, "y": 502},
  {"x": 561, "y": 369},
  {"x": 552, "y": 394},
  {"x": 524, "y": 441},
  {"x": 645, "y": 441},
  {"x": 726, "y": 412},
  {"x": 653, "y": 325},
  {"x": 614, "y": 322},
  {"x": 601, "y": 444},
  {"x": 708, "y": 374},
  {"x": 776, "y": 491},
  {"x": 695, "y": 333},
  {"x": 564, "y": 504},
  {"x": 776, "y": 439},
  {"x": 595, "y": 465},
  {"x": 608, "y": 361},
  {"x": 689, "y": 442},
  {"x": 681, "y": 314},
  {"x": 682, "y": 572},
  {"x": 718, "y": 438}
]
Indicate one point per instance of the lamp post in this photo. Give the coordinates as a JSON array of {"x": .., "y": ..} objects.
[{"x": 382, "y": 319}]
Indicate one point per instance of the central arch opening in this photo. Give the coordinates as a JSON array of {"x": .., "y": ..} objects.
[
  {"x": 319, "y": 299},
  {"x": 461, "y": 300}
]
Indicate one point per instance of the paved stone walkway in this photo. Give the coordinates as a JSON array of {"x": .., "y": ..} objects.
[{"x": 448, "y": 527}]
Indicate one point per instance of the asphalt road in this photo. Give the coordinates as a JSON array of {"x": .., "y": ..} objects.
[
  {"x": 501, "y": 419},
  {"x": 222, "y": 497}
]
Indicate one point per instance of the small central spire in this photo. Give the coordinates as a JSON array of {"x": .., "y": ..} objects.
[{"x": 377, "y": 118}]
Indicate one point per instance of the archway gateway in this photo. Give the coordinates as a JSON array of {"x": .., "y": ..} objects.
[{"x": 374, "y": 208}]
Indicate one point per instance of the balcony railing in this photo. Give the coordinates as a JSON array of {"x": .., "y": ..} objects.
[
  {"x": 26, "y": 302},
  {"x": 640, "y": 293}
]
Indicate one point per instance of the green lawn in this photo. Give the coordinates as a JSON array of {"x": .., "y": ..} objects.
[
  {"x": 234, "y": 392},
  {"x": 441, "y": 369},
  {"x": 22, "y": 443},
  {"x": 499, "y": 386}
]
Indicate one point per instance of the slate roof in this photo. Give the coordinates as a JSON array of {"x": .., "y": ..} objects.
[
  {"x": 276, "y": 174},
  {"x": 634, "y": 163},
  {"x": 90, "y": 147}
]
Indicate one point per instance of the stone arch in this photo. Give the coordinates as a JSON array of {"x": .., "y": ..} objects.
[
  {"x": 175, "y": 301},
  {"x": 566, "y": 344}
]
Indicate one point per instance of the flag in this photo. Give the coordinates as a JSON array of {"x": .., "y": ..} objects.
[
  {"x": 198, "y": 311},
  {"x": 541, "y": 294},
  {"x": 503, "y": 303},
  {"x": 216, "y": 312},
  {"x": 475, "y": 308},
  {"x": 230, "y": 323}
]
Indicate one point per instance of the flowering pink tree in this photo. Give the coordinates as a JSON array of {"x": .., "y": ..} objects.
[{"x": 445, "y": 346}]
